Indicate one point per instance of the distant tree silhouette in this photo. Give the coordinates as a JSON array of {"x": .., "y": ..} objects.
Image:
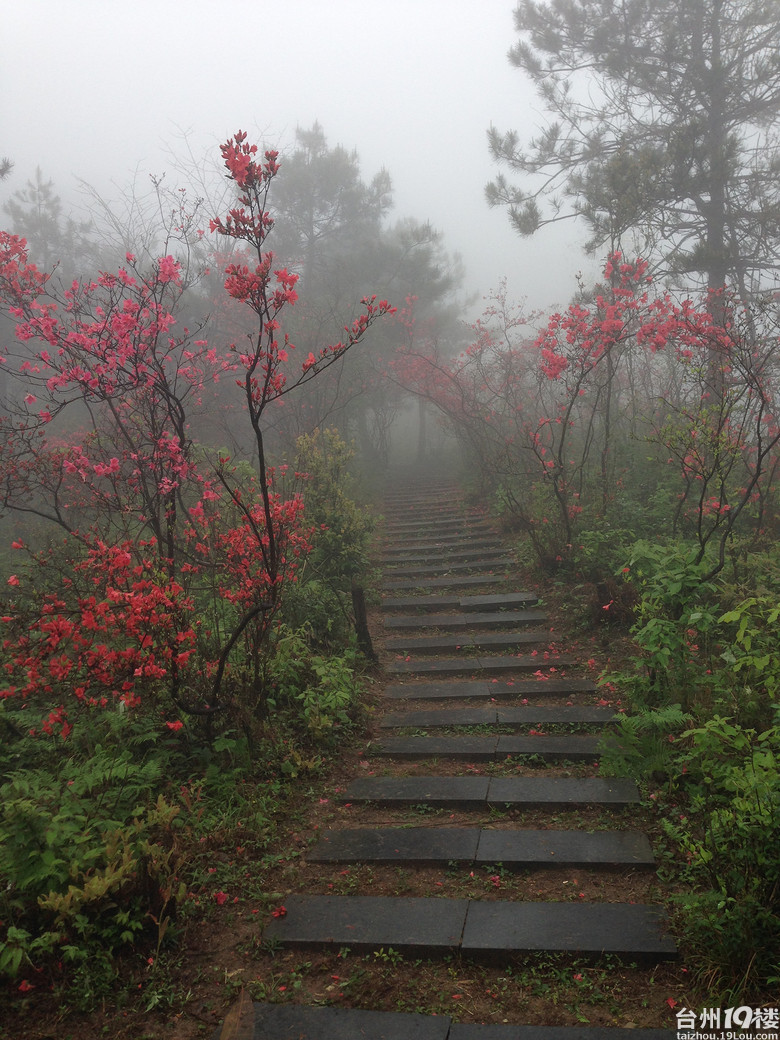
[{"x": 663, "y": 123}]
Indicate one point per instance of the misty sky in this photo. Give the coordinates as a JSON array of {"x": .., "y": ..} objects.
[{"x": 102, "y": 90}]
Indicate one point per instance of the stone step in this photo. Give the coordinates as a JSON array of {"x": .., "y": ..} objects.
[
  {"x": 572, "y": 747},
  {"x": 515, "y": 849},
  {"x": 466, "y": 603},
  {"x": 447, "y": 566},
  {"x": 403, "y": 523},
  {"x": 441, "y": 644},
  {"x": 317, "y": 1022},
  {"x": 497, "y": 601},
  {"x": 410, "y": 545},
  {"x": 452, "y": 582},
  {"x": 481, "y": 792},
  {"x": 527, "y": 715},
  {"x": 547, "y": 687},
  {"x": 399, "y": 532},
  {"x": 474, "y": 1031},
  {"x": 424, "y": 507},
  {"x": 493, "y": 619},
  {"x": 471, "y": 665},
  {"x": 441, "y": 555},
  {"x": 475, "y": 928}
]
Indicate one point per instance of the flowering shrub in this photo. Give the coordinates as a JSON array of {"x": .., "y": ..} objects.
[
  {"x": 155, "y": 527},
  {"x": 553, "y": 420}
]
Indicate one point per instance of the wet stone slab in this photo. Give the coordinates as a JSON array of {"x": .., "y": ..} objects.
[
  {"x": 453, "y": 582},
  {"x": 421, "y": 603},
  {"x": 575, "y": 747},
  {"x": 563, "y": 714},
  {"x": 495, "y": 619},
  {"x": 413, "y": 925},
  {"x": 445, "y": 717},
  {"x": 463, "y": 792},
  {"x": 304, "y": 1022},
  {"x": 447, "y": 566},
  {"x": 398, "y": 845},
  {"x": 497, "y": 601},
  {"x": 446, "y": 644},
  {"x": 438, "y": 690},
  {"x": 429, "y": 525},
  {"x": 451, "y": 542},
  {"x": 527, "y": 715},
  {"x": 430, "y": 926},
  {"x": 455, "y": 689},
  {"x": 471, "y": 748},
  {"x": 472, "y": 1031},
  {"x": 455, "y": 602},
  {"x": 526, "y": 848},
  {"x": 483, "y": 748},
  {"x": 561, "y": 791},
  {"x": 436, "y": 555},
  {"x": 515, "y": 849},
  {"x": 478, "y": 792},
  {"x": 470, "y": 665},
  {"x": 622, "y": 929}
]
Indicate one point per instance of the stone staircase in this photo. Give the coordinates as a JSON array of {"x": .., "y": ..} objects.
[{"x": 464, "y": 637}]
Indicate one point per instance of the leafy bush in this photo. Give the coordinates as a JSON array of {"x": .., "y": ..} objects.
[
  {"x": 319, "y": 692},
  {"x": 341, "y": 531},
  {"x": 730, "y": 835},
  {"x": 675, "y": 627},
  {"x": 751, "y": 660}
]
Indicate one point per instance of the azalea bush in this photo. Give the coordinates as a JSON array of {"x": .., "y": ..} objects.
[
  {"x": 628, "y": 412},
  {"x": 97, "y": 443},
  {"x": 142, "y": 618}
]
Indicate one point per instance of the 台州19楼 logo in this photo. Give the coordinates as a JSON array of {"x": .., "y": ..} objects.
[{"x": 739, "y": 1023}]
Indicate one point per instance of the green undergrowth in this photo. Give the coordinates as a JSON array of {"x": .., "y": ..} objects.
[
  {"x": 702, "y": 738},
  {"x": 116, "y": 842}
]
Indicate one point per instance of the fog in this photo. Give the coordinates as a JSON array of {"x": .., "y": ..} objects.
[{"x": 107, "y": 92}]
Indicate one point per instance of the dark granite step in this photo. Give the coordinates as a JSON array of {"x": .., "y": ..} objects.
[
  {"x": 475, "y": 1031},
  {"x": 480, "y": 928},
  {"x": 452, "y": 582},
  {"x": 416, "y": 926},
  {"x": 467, "y": 603},
  {"x": 472, "y": 665},
  {"x": 527, "y": 715},
  {"x": 315, "y": 1022},
  {"x": 420, "y": 845},
  {"x": 496, "y": 601},
  {"x": 479, "y": 716},
  {"x": 524, "y": 848},
  {"x": 430, "y": 524},
  {"x": 442, "y": 554},
  {"x": 441, "y": 644},
  {"x": 497, "y": 928},
  {"x": 515, "y": 849},
  {"x": 455, "y": 542},
  {"x": 550, "y": 687},
  {"x": 493, "y": 619},
  {"x": 477, "y": 792},
  {"x": 573, "y": 747},
  {"x": 448, "y": 566}
]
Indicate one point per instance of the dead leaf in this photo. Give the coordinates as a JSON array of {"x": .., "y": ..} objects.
[{"x": 239, "y": 1022}]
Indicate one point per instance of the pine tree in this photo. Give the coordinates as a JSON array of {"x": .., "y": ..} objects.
[{"x": 663, "y": 125}]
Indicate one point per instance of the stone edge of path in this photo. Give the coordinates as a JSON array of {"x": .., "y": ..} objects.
[{"x": 305, "y": 1022}]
